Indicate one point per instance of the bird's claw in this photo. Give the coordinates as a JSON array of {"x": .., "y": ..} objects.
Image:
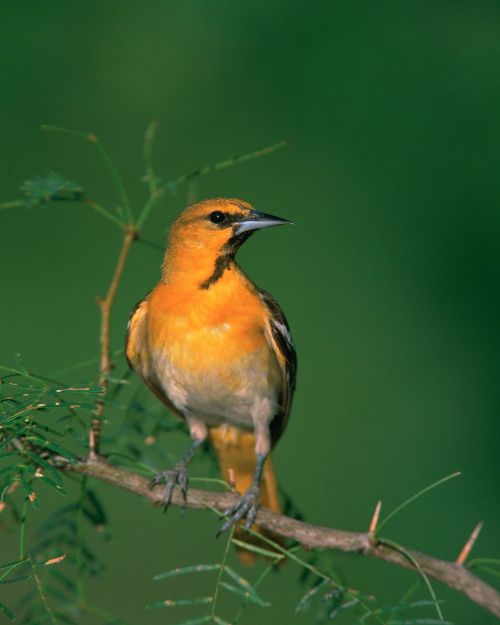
[
  {"x": 178, "y": 476},
  {"x": 246, "y": 506}
]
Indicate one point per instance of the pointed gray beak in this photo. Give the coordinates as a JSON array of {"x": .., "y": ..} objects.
[{"x": 257, "y": 220}]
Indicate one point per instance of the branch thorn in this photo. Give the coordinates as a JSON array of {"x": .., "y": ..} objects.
[
  {"x": 467, "y": 548},
  {"x": 374, "y": 522},
  {"x": 231, "y": 478}
]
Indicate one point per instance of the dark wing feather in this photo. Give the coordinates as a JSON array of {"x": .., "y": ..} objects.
[{"x": 280, "y": 339}]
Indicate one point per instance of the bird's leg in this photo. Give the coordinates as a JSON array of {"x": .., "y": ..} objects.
[
  {"x": 178, "y": 476},
  {"x": 248, "y": 503}
]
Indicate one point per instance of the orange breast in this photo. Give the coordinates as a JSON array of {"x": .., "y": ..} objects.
[
  {"x": 209, "y": 353},
  {"x": 219, "y": 325}
]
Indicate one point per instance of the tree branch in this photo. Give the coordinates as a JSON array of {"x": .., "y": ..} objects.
[
  {"x": 105, "y": 304},
  {"x": 452, "y": 574}
]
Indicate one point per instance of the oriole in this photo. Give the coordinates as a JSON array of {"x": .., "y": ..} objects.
[{"x": 217, "y": 351}]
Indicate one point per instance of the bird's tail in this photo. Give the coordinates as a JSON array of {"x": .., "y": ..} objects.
[{"x": 235, "y": 451}]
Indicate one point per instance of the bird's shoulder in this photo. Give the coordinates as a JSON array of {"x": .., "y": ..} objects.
[
  {"x": 279, "y": 330},
  {"x": 136, "y": 332}
]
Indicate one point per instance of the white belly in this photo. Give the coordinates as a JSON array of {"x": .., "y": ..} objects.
[{"x": 241, "y": 394}]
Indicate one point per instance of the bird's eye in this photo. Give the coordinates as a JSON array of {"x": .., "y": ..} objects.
[{"x": 217, "y": 217}]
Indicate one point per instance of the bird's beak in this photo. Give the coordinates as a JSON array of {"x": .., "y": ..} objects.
[{"x": 257, "y": 220}]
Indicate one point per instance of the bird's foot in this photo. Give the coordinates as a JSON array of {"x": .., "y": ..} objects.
[
  {"x": 178, "y": 476},
  {"x": 246, "y": 507}
]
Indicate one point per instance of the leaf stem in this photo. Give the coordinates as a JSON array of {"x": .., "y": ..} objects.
[
  {"x": 410, "y": 558},
  {"x": 116, "y": 178},
  {"x": 148, "y": 207},
  {"x": 80, "y": 580},
  {"x": 22, "y": 529},
  {"x": 105, "y": 213},
  {"x": 12, "y": 204},
  {"x": 91, "y": 137},
  {"x": 414, "y": 497},
  {"x": 221, "y": 573}
]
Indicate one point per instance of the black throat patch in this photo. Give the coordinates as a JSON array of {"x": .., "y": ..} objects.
[{"x": 226, "y": 256}]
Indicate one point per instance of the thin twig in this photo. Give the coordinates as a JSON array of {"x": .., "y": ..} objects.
[
  {"x": 105, "y": 305},
  {"x": 155, "y": 192},
  {"x": 149, "y": 138},
  {"x": 451, "y": 574},
  {"x": 208, "y": 169},
  {"x": 41, "y": 594}
]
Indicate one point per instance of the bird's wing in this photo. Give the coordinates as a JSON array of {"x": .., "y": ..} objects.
[
  {"x": 280, "y": 339},
  {"x": 137, "y": 354}
]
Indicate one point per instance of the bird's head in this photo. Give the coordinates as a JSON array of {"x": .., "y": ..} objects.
[
  {"x": 213, "y": 230},
  {"x": 213, "y": 224}
]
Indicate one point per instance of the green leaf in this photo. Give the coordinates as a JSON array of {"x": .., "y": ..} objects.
[
  {"x": 8, "y": 454},
  {"x": 304, "y": 603},
  {"x": 63, "y": 579},
  {"x": 172, "y": 603},
  {"x": 403, "y": 607},
  {"x": 52, "y": 484},
  {"x": 239, "y": 579},
  {"x": 421, "y": 621},
  {"x": 95, "y": 512},
  {"x": 58, "y": 594},
  {"x": 248, "y": 590},
  {"x": 259, "y": 550},
  {"x": 488, "y": 569},
  {"x": 12, "y": 565},
  {"x": 29, "y": 492},
  {"x": 65, "y": 453},
  {"x": 220, "y": 621},
  {"x": 8, "y": 613},
  {"x": 343, "y": 608},
  {"x": 196, "y": 621},
  {"x": 421, "y": 603},
  {"x": 16, "y": 413},
  {"x": 196, "y": 568},
  {"x": 245, "y": 594},
  {"x": 8, "y": 469},
  {"x": 13, "y": 580},
  {"x": 46, "y": 428},
  {"x": 41, "y": 462},
  {"x": 52, "y": 186}
]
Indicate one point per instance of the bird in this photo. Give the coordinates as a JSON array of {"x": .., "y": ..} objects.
[{"x": 218, "y": 352}]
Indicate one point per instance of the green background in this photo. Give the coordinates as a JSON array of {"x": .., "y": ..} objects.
[{"x": 390, "y": 278}]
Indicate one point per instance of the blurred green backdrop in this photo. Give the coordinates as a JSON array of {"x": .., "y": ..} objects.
[{"x": 390, "y": 279}]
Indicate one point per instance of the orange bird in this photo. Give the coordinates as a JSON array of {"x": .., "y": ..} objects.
[{"x": 217, "y": 351}]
